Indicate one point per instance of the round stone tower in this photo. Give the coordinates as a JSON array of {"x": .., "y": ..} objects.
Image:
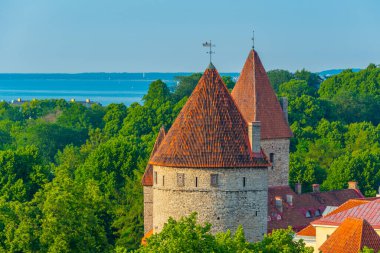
[{"x": 210, "y": 162}]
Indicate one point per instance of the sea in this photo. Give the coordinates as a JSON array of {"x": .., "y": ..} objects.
[{"x": 104, "y": 88}]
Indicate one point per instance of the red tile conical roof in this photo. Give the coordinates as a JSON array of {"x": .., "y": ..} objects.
[
  {"x": 147, "y": 179},
  {"x": 351, "y": 236},
  {"x": 209, "y": 132},
  {"x": 257, "y": 100}
]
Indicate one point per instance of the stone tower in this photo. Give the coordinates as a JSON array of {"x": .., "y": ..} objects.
[
  {"x": 210, "y": 162},
  {"x": 147, "y": 182},
  {"x": 257, "y": 101}
]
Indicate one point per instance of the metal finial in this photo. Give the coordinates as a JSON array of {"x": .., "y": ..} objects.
[
  {"x": 210, "y": 45},
  {"x": 253, "y": 39}
]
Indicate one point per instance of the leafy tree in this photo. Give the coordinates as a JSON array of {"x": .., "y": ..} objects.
[
  {"x": 367, "y": 250},
  {"x": 296, "y": 88},
  {"x": 184, "y": 235},
  {"x": 129, "y": 219},
  {"x": 278, "y": 77},
  {"x": 113, "y": 118},
  {"x": 186, "y": 85},
  {"x": 70, "y": 222},
  {"x": 312, "y": 79},
  {"x": 305, "y": 171},
  {"x": 49, "y": 137},
  {"x": 306, "y": 110},
  {"x": 282, "y": 241},
  {"x": 228, "y": 82},
  {"x": 78, "y": 116},
  {"x": 8, "y": 112},
  {"x": 22, "y": 173},
  {"x": 363, "y": 167},
  {"x": 20, "y": 226}
]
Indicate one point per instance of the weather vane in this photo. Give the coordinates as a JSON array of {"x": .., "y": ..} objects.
[
  {"x": 210, "y": 45},
  {"x": 253, "y": 39}
]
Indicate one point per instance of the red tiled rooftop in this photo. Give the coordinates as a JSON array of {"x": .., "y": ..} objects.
[
  {"x": 295, "y": 215},
  {"x": 146, "y": 236},
  {"x": 351, "y": 237},
  {"x": 308, "y": 231},
  {"x": 257, "y": 100},
  {"x": 147, "y": 179},
  {"x": 369, "y": 211},
  {"x": 209, "y": 131},
  {"x": 311, "y": 231}
]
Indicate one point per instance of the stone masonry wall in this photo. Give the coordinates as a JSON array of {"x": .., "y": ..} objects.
[
  {"x": 279, "y": 173},
  {"x": 148, "y": 208},
  {"x": 225, "y": 206}
]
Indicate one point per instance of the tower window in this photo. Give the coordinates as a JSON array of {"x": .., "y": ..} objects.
[
  {"x": 244, "y": 181},
  {"x": 155, "y": 177},
  {"x": 163, "y": 180},
  {"x": 196, "y": 181},
  {"x": 271, "y": 159},
  {"x": 214, "y": 180},
  {"x": 256, "y": 213},
  {"x": 180, "y": 179}
]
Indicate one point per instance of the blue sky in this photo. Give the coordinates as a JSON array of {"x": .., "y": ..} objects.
[{"x": 166, "y": 35}]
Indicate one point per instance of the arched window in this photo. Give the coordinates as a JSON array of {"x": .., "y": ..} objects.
[
  {"x": 317, "y": 213},
  {"x": 308, "y": 214}
]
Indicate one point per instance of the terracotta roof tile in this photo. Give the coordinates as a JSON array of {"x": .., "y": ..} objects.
[
  {"x": 295, "y": 215},
  {"x": 308, "y": 231},
  {"x": 351, "y": 237},
  {"x": 146, "y": 236},
  {"x": 351, "y": 203},
  {"x": 257, "y": 100},
  {"x": 147, "y": 179},
  {"x": 209, "y": 131},
  {"x": 369, "y": 211},
  {"x": 311, "y": 231}
]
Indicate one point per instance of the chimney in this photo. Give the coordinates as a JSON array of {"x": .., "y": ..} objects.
[
  {"x": 284, "y": 105},
  {"x": 315, "y": 187},
  {"x": 254, "y": 129},
  {"x": 298, "y": 188},
  {"x": 289, "y": 199},
  {"x": 353, "y": 185},
  {"x": 278, "y": 202}
]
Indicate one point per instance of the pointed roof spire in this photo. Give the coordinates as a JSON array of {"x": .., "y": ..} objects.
[
  {"x": 147, "y": 179},
  {"x": 211, "y": 66},
  {"x": 209, "y": 132},
  {"x": 351, "y": 236},
  {"x": 257, "y": 100}
]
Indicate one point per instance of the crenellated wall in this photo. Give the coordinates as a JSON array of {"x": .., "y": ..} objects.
[
  {"x": 278, "y": 174},
  {"x": 225, "y": 206}
]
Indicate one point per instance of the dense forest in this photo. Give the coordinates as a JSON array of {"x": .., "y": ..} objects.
[{"x": 71, "y": 175}]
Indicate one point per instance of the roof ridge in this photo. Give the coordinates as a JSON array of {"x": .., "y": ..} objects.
[{"x": 351, "y": 236}]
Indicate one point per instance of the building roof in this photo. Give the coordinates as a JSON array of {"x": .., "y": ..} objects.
[
  {"x": 311, "y": 231},
  {"x": 303, "y": 205},
  {"x": 351, "y": 237},
  {"x": 209, "y": 131},
  {"x": 308, "y": 231},
  {"x": 369, "y": 211},
  {"x": 257, "y": 100},
  {"x": 147, "y": 179},
  {"x": 146, "y": 236}
]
